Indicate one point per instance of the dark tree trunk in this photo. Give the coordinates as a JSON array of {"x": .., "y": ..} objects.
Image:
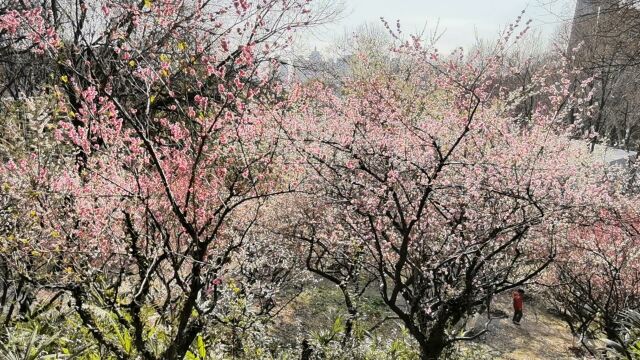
[
  {"x": 306, "y": 350},
  {"x": 353, "y": 314},
  {"x": 434, "y": 346}
]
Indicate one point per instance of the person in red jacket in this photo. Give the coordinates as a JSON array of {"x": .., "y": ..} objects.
[{"x": 518, "y": 300}]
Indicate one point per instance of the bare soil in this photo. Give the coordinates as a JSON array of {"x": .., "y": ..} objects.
[{"x": 540, "y": 334}]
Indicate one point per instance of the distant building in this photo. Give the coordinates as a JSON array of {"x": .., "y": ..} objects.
[
  {"x": 315, "y": 57},
  {"x": 605, "y": 28},
  {"x": 607, "y": 33},
  {"x": 315, "y": 66}
]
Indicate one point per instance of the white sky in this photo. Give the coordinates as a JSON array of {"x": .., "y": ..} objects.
[{"x": 461, "y": 20}]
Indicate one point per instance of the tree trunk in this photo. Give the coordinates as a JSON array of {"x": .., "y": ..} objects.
[
  {"x": 433, "y": 348},
  {"x": 306, "y": 350},
  {"x": 433, "y": 345},
  {"x": 353, "y": 314}
]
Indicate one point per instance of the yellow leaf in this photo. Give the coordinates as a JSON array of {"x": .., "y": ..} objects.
[
  {"x": 182, "y": 45},
  {"x": 164, "y": 58},
  {"x": 148, "y": 4},
  {"x": 64, "y": 79},
  {"x": 132, "y": 63},
  {"x": 202, "y": 350},
  {"x": 236, "y": 290},
  {"x": 152, "y": 99}
]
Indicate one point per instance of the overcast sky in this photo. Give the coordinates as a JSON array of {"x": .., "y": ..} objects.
[{"x": 460, "y": 20}]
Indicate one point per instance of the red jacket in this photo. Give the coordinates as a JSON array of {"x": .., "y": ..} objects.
[{"x": 517, "y": 301}]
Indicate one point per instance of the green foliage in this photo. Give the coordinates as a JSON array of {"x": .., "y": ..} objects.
[
  {"x": 46, "y": 338},
  {"x": 401, "y": 348},
  {"x": 323, "y": 338},
  {"x": 28, "y": 346},
  {"x": 629, "y": 345}
]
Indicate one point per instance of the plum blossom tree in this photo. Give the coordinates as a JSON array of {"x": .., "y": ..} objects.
[
  {"x": 452, "y": 194},
  {"x": 596, "y": 275},
  {"x": 156, "y": 215},
  {"x": 330, "y": 252},
  {"x": 23, "y": 129},
  {"x": 164, "y": 110}
]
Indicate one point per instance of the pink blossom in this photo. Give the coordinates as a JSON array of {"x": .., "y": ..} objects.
[
  {"x": 10, "y": 22},
  {"x": 89, "y": 94},
  {"x": 201, "y": 101}
]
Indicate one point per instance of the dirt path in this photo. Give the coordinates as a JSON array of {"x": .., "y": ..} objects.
[{"x": 540, "y": 335}]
